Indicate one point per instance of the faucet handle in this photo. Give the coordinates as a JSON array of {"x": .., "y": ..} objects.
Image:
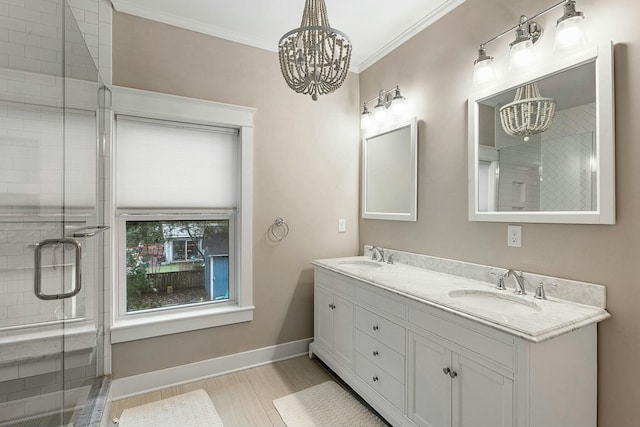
[
  {"x": 540, "y": 293},
  {"x": 500, "y": 280}
]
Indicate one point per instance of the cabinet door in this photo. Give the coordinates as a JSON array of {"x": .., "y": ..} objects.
[
  {"x": 429, "y": 387},
  {"x": 481, "y": 397},
  {"x": 324, "y": 318},
  {"x": 343, "y": 330}
]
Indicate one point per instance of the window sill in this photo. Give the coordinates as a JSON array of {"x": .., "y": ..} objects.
[{"x": 137, "y": 327}]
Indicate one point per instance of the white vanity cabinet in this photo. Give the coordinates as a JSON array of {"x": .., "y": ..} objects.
[
  {"x": 421, "y": 365},
  {"x": 333, "y": 318},
  {"x": 452, "y": 386}
]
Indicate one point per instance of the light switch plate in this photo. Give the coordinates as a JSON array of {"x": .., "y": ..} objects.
[
  {"x": 342, "y": 225},
  {"x": 514, "y": 236}
]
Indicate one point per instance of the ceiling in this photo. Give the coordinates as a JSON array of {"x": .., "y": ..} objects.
[{"x": 375, "y": 27}]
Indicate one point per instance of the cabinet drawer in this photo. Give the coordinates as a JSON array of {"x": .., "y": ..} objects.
[
  {"x": 382, "y": 382},
  {"x": 491, "y": 348},
  {"x": 380, "y": 355},
  {"x": 385, "y": 331},
  {"x": 382, "y": 300}
]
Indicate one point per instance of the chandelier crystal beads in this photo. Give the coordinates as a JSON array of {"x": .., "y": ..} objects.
[{"x": 315, "y": 58}]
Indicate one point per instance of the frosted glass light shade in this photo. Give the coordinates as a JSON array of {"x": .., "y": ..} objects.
[
  {"x": 483, "y": 72},
  {"x": 365, "y": 121},
  {"x": 522, "y": 55},
  {"x": 570, "y": 34},
  {"x": 164, "y": 166},
  {"x": 379, "y": 113},
  {"x": 398, "y": 106}
]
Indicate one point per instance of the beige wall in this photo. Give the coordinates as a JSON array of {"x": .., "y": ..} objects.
[
  {"x": 306, "y": 171},
  {"x": 434, "y": 70}
]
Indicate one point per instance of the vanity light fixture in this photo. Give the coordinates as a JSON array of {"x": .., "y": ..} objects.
[
  {"x": 483, "y": 68},
  {"x": 569, "y": 31},
  {"x": 387, "y": 99},
  {"x": 568, "y": 34},
  {"x": 314, "y": 58},
  {"x": 365, "y": 117},
  {"x": 527, "y": 34}
]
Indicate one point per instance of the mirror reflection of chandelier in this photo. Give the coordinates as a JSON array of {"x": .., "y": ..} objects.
[
  {"x": 314, "y": 59},
  {"x": 529, "y": 113}
]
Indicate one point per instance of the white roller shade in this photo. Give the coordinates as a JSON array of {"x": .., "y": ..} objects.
[{"x": 170, "y": 165}]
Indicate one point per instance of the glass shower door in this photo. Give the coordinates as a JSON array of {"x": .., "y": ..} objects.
[{"x": 50, "y": 304}]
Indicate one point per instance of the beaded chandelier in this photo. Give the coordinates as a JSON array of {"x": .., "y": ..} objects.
[
  {"x": 314, "y": 59},
  {"x": 529, "y": 113}
]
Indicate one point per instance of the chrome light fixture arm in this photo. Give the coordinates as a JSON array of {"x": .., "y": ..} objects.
[
  {"x": 527, "y": 29},
  {"x": 384, "y": 99}
]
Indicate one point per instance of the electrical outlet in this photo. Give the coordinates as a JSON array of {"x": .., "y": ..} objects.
[
  {"x": 342, "y": 225},
  {"x": 514, "y": 236}
]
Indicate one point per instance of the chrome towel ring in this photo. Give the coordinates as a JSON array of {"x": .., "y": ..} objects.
[{"x": 279, "y": 229}]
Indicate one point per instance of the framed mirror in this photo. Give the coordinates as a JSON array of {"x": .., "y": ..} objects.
[
  {"x": 390, "y": 172},
  {"x": 541, "y": 145}
]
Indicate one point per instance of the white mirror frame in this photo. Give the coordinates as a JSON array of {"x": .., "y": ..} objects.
[
  {"x": 412, "y": 185},
  {"x": 605, "y": 140}
]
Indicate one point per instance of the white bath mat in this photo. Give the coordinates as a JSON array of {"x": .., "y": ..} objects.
[
  {"x": 325, "y": 404},
  {"x": 193, "y": 409}
]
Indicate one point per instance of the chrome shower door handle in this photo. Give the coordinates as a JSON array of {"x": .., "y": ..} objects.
[
  {"x": 37, "y": 274},
  {"x": 90, "y": 231}
]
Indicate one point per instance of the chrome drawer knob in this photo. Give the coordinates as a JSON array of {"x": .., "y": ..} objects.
[
  {"x": 449, "y": 372},
  {"x": 376, "y": 327},
  {"x": 375, "y": 379},
  {"x": 375, "y": 352}
]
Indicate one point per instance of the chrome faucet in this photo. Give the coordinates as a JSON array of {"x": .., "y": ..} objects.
[
  {"x": 379, "y": 251},
  {"x": 519, "y": 281}
]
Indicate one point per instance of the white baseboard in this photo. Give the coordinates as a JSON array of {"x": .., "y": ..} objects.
[{"x": 134, "y": 385}]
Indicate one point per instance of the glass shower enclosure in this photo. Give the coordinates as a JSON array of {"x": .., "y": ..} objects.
[{"x": 51, "y": 218}]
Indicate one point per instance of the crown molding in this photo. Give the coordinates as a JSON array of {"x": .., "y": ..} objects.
[
  {"x": 130, "y": 7},
  {"x": 446, "y": 7}
]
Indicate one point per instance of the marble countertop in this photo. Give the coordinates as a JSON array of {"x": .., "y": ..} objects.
[{"x": 522, "y": 315}]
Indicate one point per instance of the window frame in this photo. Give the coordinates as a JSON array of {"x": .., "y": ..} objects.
[{"x": 151, "y": 323}]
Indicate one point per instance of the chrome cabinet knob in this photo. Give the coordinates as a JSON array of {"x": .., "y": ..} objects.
[
  {"x": 375, "y": 379},
  {"x": 375, "y": 353},
  {"x": 448, "y": 371},
  {"x": 376, "y": 327}
]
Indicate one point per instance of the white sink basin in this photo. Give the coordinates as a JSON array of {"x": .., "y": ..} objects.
[
  {"x": 361, "y": 263},
  {"x": 493, "y": 301}
]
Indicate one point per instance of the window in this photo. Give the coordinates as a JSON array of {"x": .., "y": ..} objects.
[
  {"x": 172, "y": 263},
  {"x": 183, "y": 215}
]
